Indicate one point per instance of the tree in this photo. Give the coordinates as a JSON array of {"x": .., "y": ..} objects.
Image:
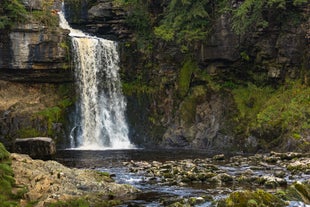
[{"x": 11, "y": 11}]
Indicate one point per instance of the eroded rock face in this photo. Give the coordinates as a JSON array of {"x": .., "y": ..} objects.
[
  {"x": 34, "y": 47},
  {"x": 103, "y": 18},
  {"x": 49, "y": 181},
  {"x": 204, "y": 129},
  {"x": 223, "y": 43},
  {"x": 37, "y": 147}
]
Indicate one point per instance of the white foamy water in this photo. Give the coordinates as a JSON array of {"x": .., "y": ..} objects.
[{"x": 101, "y": 122}]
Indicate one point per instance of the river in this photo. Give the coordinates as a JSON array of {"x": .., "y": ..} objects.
[{"x": 133, "y": 167}]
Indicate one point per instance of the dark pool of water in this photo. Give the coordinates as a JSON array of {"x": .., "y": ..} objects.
[{"x": 115, "y": 158}]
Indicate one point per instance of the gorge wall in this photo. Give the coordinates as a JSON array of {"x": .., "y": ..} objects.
[{"x": 227, "y": 92}]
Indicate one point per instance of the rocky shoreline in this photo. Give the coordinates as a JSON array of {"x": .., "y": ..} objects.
[
  {"x": 48, "y": 182},
  {"x": 273, "y": 179}
]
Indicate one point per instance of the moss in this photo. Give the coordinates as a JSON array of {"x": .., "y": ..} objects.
[
  {"x": 188, "y": 106},
  {"x": 250, "y": 101},
  {"x": 185, "y": 75},
  {"x": 273, "y": 114},
  {"x": 7, "y": 199},
  {"x": 288, "y": 110},
  {"x": 66, "y": 46},
  {"x": 70, "y": 203},
  {"x": 249, "y": 198},
  {"x": 137, "y": 88},
  {"x": 28, "y": 132},
  {"x": 299, "y": 192},
  {"x": 4, "y": 154}
]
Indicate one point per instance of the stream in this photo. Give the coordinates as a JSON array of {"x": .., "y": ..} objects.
[{"x": 136, "y": 167}]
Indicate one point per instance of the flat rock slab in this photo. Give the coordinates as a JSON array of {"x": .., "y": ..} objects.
[{"x": 36, "y": 147}]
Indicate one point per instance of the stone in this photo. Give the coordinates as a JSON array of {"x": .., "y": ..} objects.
[
  {"x": 219, "y": 157},
  {"x": 223, "y": 43},
  {"x": 38, "y": 147},
  {"x": 45, "y": 186}
]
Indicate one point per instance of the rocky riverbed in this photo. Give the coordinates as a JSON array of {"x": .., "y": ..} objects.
[
  {"x": 49, "y": 181},
  {"x": 282, "y": 177}
]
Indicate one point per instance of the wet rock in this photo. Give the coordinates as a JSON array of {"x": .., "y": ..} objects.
[
  {"x": 249, "y": 198},
  {"x": 219, "y": 157},
  {"x": 299, "y": 192},
  {"x": 300, "y": 165},
  {"x": 37, "y": 147}
]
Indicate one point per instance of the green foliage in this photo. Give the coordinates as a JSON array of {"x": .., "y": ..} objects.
[
  {"x": 250, "y": 101},
  {"x": 288, "y": 110},
  {"x": 270, "y": 113},
  {"x": 6, "y": 179},
  {"x": 140, "y": 20},
  {"x": 4, "y": 154},
  {"x": 11, "y": 12},
  {"x": 45, "y": 18},
  {"x": 28, "y": 132},
  {"x": 185, "y": 21},
  {"x": 137, "y": 88},
  {"x": 254, "y": 15},
  {"x": 14, "y": 11},
  {"x": 52, "y": 115}
]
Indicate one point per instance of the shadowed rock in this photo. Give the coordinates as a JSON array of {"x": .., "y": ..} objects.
[{"x": 38, "y": 147}]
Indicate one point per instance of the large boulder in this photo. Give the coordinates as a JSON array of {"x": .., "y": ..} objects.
[{"x": 38, "y": 147}]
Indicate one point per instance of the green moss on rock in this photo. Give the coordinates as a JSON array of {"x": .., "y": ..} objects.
[
  {"x": 188, "y": 106},
  {"x": 249, "y": 198},
  {"x": 299, "y": 192},
  {"x": 185, "y": 76}
]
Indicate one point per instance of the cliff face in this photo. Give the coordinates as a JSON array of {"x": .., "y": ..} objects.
[
  {"x": 219, "y": 93},
  {"x": 102, "y": 18},
  {"x": 225, "y": 92}
]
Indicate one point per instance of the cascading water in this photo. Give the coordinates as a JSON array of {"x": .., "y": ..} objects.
[{"x": 101, "y": 122}]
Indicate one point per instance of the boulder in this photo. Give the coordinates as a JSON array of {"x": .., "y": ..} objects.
[{"x": 38, "y": 147}]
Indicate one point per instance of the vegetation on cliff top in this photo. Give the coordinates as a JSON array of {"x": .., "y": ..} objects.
[
  {"x": 187, "y": 21},
  {"x": 13, "y": 12}
]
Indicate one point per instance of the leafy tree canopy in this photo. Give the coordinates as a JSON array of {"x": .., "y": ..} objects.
[
  {"x": 253, "y": 15},
  {"x": 11, "y": 11}
]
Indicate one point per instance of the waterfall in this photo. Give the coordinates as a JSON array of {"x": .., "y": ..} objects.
[{"x": 100, "y": 121}]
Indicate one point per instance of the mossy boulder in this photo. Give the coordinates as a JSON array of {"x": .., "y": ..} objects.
[
  {"x": 249, "y": 198},
  {"x": 299, "y": 192}
]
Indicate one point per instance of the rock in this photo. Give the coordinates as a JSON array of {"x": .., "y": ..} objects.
[
  {"x": 51, "y": 182},
  {"x": 33, "y": 46},
  {"x": 38, "y": 147},
  {"x": 300, "y": 165},
  {"x": 249, "y": 198},
  {"x": 299, "y": 192},
  {"x": 103, "y": 18},
  {"x": 219, "y": 157},
  {"x": 223, "y": 43}
]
